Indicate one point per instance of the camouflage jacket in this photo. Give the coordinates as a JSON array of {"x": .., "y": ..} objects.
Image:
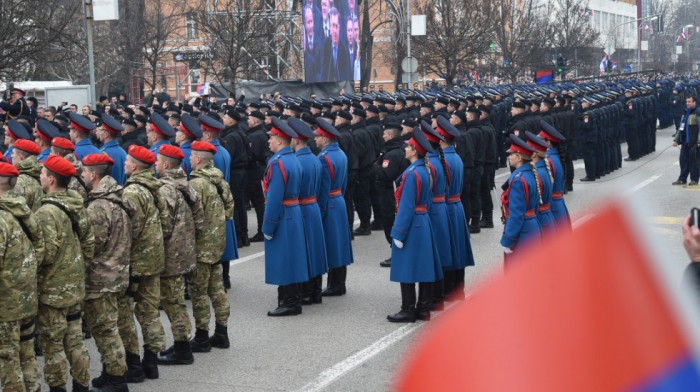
[
  {"x": 70, "y": 245},
  {"x": 145, "y": 206},
  {"x": 76, "y": 183},
  {"x": 218, "y": 208},
  {"x": 19, "y": 256},
  {"x": 28, "y": 185},
  {"x": 108, "y": 272},
  {"x": 185, "y": 217}
]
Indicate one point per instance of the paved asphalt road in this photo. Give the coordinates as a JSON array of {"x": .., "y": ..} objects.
[{"x": 346, "y": 344}]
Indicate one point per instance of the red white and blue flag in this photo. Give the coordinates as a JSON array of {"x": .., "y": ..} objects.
[
  {"x": 588, "y": 310},
  {"x": 203, "y": 89}
]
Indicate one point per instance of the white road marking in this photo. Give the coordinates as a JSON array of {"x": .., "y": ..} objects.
[
  {"x": 643, "y": 184},
  {"x": 581, "y": 220}
]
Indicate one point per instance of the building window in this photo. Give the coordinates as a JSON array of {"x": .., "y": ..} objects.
[
  {"x": 191, "y": 26},
  {"x": 195, "y": 77}
]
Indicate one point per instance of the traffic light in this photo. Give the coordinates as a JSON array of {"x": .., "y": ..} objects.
[
  {"x": 561, "y": 64},
  {"x": 492, "y": 47}
]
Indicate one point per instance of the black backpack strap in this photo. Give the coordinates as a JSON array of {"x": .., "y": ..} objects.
[
  {"x": 155, "y": 197},
  {"x": 73, "y": 222},
  {"x": 25, "y": 229},
  {"x": 187, "y": 198}
]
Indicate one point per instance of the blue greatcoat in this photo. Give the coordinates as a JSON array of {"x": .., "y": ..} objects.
[
  {"x": 459, "y": 233},
  {"x": 285, "y": 255},
  {"x": 438, "y": 210},
  {"x": 520, "y": 202},
  {"x": 559, "y": 210},
  {"x": 311, "y": 213},
  {"x": 187, "y": 151},
  {"x": 334, "y": 178},
  {"x": 544, "y": 212},
  {"x": 156, "y": 146},
  {"x": 118, "y": 155},
  {"x": 222, "y": 161},
  {"x": 45, "y": 154},
  {"x": 7, "y": 156},
  {"x": 418, "y": 260},
  {"x": 85, "y": 147}
]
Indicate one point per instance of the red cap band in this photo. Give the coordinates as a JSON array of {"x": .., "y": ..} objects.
[
  {"x": 77, "y": 127},
  {"x": 210, "y": 129},
  {"x": 279, "y": 133},
  {"x": 321, "y": 132},
  {"x": 536, "y": 146},
  {"x": 110, "y": 130},
  {"x": 444, "y": 133},
  {"x": 431, "y": 138},
  {"x": 518, "y": 149},
  {"x": 155, "y": 129},
  {"x": 184, "y": 129},
  {"x": 417, "y": 146}
]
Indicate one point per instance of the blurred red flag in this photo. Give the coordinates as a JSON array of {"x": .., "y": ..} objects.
[{"x": 584, "y": 312}]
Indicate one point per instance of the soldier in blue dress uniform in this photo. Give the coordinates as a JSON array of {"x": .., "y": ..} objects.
[
  {"x": 519, "y": 200},
  {"x": 437, "y": 208},
  {"x": 544, "y": 177},
  {"x": 310, "y": 212},
  {"x": 80, "y": 128},
  {"x": 336, "y": 231},
  {"x": 112, "y": 130},
  {"x": 414, "y": 256},
  {"x": 45, "y": 132},
  {"x": 16, "y": 106},
  {"x": 188, "y": 132},
  {"x": 159, "y": 133},
  {"x": 552, "y": 137},
  {"x": 283, "y": 226},
  {"x": 460, "y": 243},
  {"x": 222, "y": 161}
]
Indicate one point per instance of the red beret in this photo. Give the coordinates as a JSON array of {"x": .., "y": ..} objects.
[
  {"x": 97, "y": 159},
  {"x": 7, "y": 170},
  {"x": 204, "y": 146},
  {"x": 28, "y": 146},
  {"x": 59, "y": 166},
  {"x": 171, "y": 151},
  {"x": 142, "y": 154},
  {"x": 63, "y": 143}
]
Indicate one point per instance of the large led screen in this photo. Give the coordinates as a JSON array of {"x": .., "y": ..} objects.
[{"x": 331, "y": 40}]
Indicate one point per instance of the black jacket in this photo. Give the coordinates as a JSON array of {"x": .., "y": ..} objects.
[
  {"x": 258, "y": 150},
  {"x": 233, "y": 140},
  {"x": 391, "y": 163}
]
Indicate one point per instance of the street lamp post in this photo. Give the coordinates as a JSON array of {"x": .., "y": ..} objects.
[{"x": 650, "y": 18}]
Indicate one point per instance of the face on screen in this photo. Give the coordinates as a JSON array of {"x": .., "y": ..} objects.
[
  {"x": 335, "y": 29},
  {"x": 350, "y": 33},
  {"x": 351, "y": 6},
  {"x": 325, "y": 7},
  {"x": 309, "y": 22},
  {"x": 356, "y": 30}
]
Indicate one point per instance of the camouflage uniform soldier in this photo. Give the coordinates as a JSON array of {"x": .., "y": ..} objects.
[
  {"x": 21, "y": 247},
  {"x": 185, "y": 217},
  {"x": 24, "y": 158},
  {"x": 107, "y": 275},
  {"x": 145, "y": 207},
  {"x": 206, "y": 279},
  {"x": 61, "y": 277}
]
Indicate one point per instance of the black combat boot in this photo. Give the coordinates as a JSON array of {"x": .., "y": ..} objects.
[
  {"x": 114, "y": 384},
  {"x": 134, "y": 371},
  {"x": 487, "y": 220},
  {"x": 336, "y": 282},
  {"x": 150, "y": 364},
  {"x": 220, "y": 337},
  {"x": 306, "y": 292},
  {"x": 78, "y": 387},
  {"x": 98, "y": 382},
  {"x": 316, "y": 289},
  {"x": 57, "y": 389},
  {"x": 179, "y": 354},
  {"x": 287, "y": 305},
  {"x": 425, "y": 300},
  {"x": 408, "y": 305},
  {"x": 438, "y": 300},
  {"x": 201, "y": 342}
]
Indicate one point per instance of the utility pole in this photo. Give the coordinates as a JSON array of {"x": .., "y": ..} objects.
[{"x": 89, "y": 23}]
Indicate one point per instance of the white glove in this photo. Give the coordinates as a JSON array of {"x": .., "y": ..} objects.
[
  {"x": 398, "y": 244},
  {"x": 268, "y": 237},
  {"x": 507, "y": 251}
]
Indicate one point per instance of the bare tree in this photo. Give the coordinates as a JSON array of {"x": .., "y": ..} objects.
[
  {"x": 374, "y": 16},
  {"x": 521, "y": 30},
  {"x": 26, "y": 26},
  {"x": 162, "y": 33},
  {"x": 458, "y": 31},
  {"x": 572, "y": 35}
]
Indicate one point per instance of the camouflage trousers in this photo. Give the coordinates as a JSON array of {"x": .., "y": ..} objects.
[
  {"x": 11, "y": 378},
  {"x": 206, "y": 282},
  {"x": 27, "y": 355},
  {"x": 147, "y": 297},
  {"x": 61, "y": 338},
  {"x": 172, "y": 297},
  {"x": 101, "y": 315}
]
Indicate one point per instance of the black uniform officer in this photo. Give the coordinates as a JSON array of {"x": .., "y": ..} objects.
[
  {"x": 490, "y": 162},
  {"x": 258, "y": 154},
  {"x": 365, "y": 141},
  {"x": 234, "y": 141}
]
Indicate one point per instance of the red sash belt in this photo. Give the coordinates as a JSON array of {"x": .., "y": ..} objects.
[
  {"x": 423, "y": 208},
  {"x": 439, "y": 199},
  {"x": 453, "y": 198},
  {"x": 290, "y": 202},
  {"x": 557, "y": 194},
  {"x": 336, "y": 192},
  {"x": 529, "y": 213},
  {"x": 544, "y": 207},
  {"x": 307, "y": 200}
]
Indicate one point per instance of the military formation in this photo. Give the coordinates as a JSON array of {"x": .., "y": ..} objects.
[{"x": 117, "y": 211}]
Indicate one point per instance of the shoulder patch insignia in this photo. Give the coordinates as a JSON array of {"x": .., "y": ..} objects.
[
  {"x": 385, "y": 164},
  {"x": 516, "y": 133}
]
